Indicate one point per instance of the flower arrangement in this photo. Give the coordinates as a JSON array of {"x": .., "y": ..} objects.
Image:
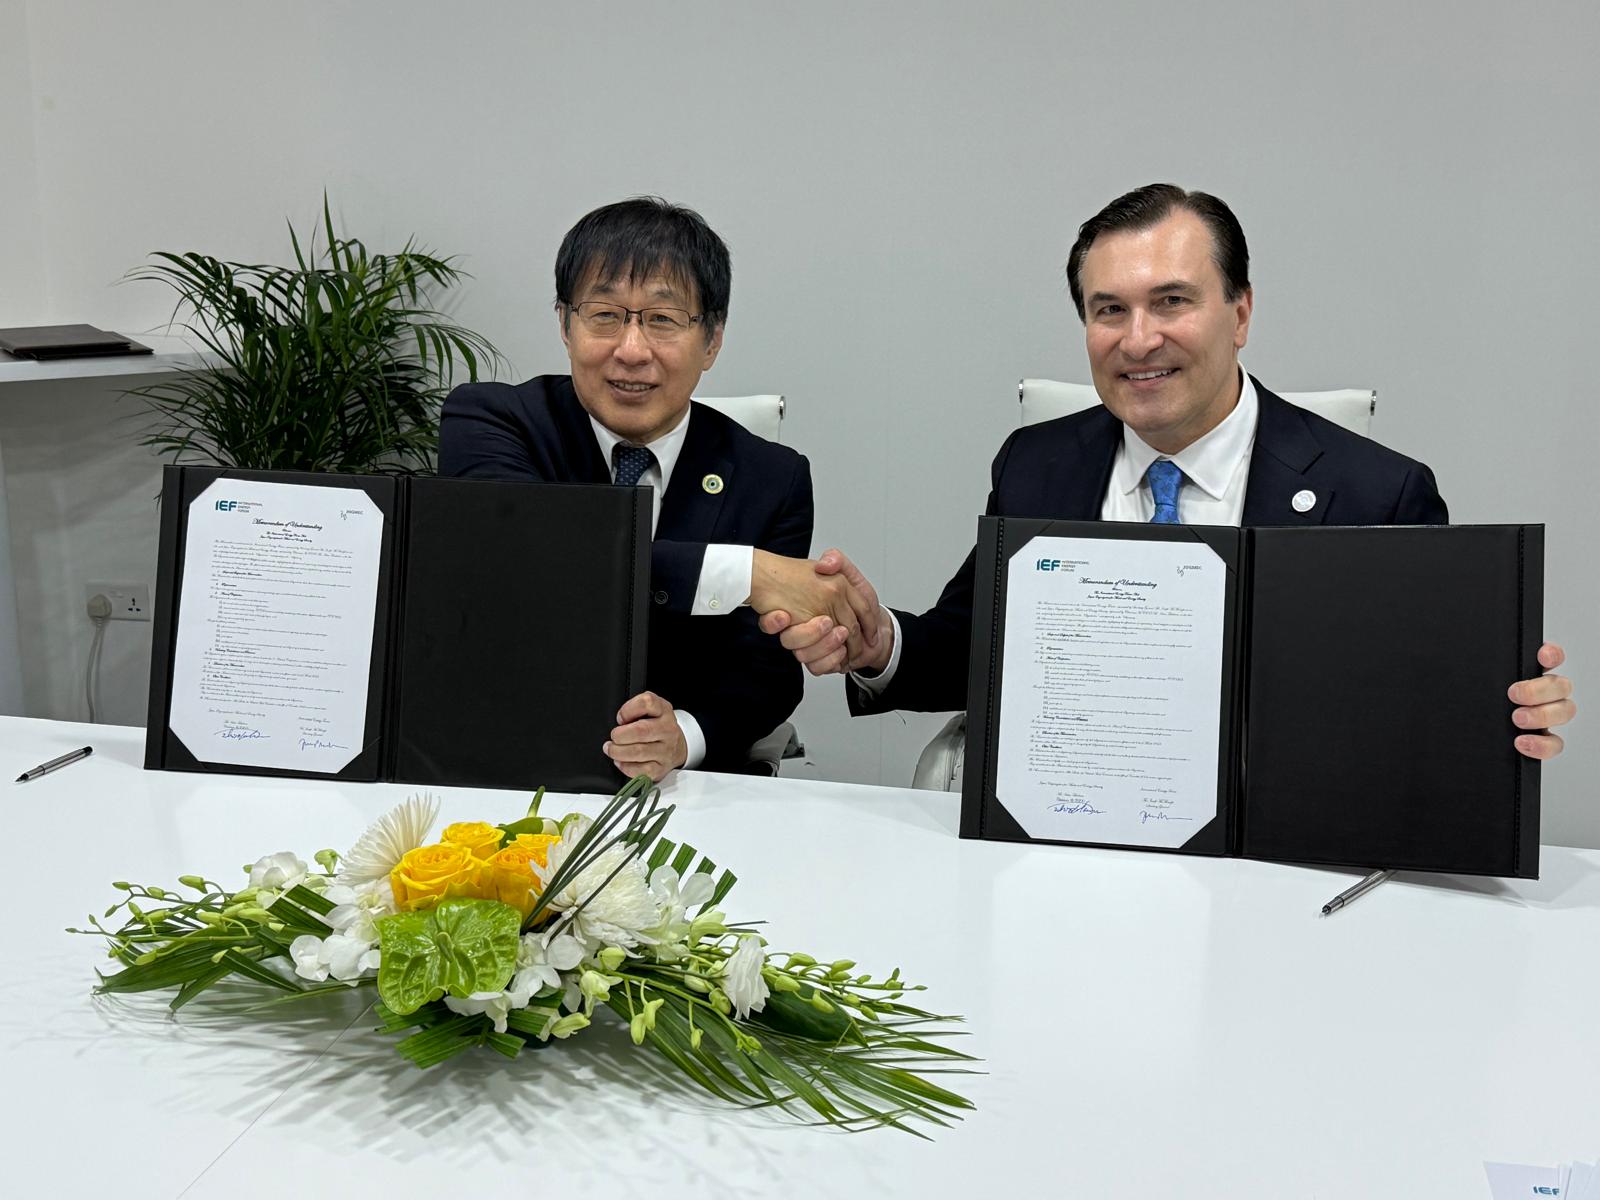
[{"x": 506, "y": 936}]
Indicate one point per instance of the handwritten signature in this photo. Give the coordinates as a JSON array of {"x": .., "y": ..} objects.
[
  {"x": 236, "y": 734},
  {"x": 319, "y": 744},
  {"x": 1074, "y": 806},
  {"x": 1159, "y": 816}
]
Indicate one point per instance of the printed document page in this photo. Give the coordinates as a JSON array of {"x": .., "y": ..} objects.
[
  {"x": 1111, "y": 689},
  {"x": 275, "y": 620}
]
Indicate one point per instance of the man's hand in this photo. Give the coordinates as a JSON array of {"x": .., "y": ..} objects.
[
  {"x": 1544, "y": 703},
  {"x": 821, "y": 644},
  {"x": 804, "y": 590},
  {"x": 647, "y": 739}
]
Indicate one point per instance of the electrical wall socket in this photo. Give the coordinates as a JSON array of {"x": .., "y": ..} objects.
[{"x": 129, "y": 601}]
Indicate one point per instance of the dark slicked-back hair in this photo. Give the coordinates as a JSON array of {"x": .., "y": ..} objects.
[
  {"x": 635, "y": 239},
  {"x": 1152, "y": 204}
]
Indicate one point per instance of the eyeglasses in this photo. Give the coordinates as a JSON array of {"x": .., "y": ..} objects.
[{"x": 604, "y": 320}]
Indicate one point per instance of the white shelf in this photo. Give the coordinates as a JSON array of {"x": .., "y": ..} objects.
[{"x": 172, "y": 353}]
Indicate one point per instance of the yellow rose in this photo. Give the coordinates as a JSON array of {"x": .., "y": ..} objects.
[
  {"x": 429, "y": 874},
  {"x": 510, "y": 875},
  {"x": 539, "y": 843},
  {"x": 478, "y": 838}
]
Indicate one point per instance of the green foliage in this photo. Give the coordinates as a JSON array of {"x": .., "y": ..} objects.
[
  {"x": 460, "y": 946},
  {"x": 337, "y": 363}
]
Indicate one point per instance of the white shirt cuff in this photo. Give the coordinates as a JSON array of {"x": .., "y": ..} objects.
[
  {"x": 724, "y": 580},
  {"x": 873, "y": 684},
  {"x": 693, "y": 736}
]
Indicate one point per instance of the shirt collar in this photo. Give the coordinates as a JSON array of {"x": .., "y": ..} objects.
[
  {"x": 1210, "y": 463},
  {"x": 666, "y": 448}
]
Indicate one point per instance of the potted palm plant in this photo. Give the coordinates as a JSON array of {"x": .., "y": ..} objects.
[{"x": 339, "y": 362}]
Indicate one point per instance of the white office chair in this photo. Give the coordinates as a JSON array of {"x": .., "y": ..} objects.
[
  {"x": 762, "y": 416},
  {"x": 939, "y": 766}
]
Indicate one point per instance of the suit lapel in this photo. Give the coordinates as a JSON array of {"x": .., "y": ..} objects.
[
  {"x": 1283, "y": 475},
  {"x": 689, "y": 512},
  {"x": 580, "y": 450},
  {"x": 1076, "y": 494}
]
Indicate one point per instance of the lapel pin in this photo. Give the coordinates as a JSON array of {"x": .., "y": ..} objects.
[
  {"x": 1304, "y": 501},
  {"x": 712, "y": 484}
]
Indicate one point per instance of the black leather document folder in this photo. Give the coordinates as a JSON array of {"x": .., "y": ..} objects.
[
  {"x": 508, "y": 625},
  {"x": 46, "y": 342},
  {"x": 1360, "y": 687}
]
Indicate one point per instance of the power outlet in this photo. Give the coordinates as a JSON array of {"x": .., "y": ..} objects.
[{"x": 129, "y": 601}]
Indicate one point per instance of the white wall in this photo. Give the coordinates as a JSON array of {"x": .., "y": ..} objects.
[{"x": 900, "y": 185}]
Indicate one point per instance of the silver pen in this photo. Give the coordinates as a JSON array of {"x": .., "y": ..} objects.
[
  {"x": 55, "y": 764},
  {"x": 1358, "y": 889}
]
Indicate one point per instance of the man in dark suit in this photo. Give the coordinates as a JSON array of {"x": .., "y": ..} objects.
[
  {"x": 642, "y": 292},
  {"x": 1160, "y": 278}
]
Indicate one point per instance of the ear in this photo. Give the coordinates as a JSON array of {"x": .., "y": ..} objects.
[
  {"x": 1242, "y": 308},
  {"x": 713, "y": 348},
  {"x": 563, "y": 318}
]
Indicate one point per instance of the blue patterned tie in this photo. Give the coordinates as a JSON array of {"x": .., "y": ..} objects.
[
  {"x": 1165, "y": 479},
  {"x": 631, "y": 462}
]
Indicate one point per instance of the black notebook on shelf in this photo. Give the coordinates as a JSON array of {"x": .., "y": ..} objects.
[
  {"x": 1327, "y": 695},
  {"x": 46, "y": 342},
  {"x": 406, "y": 628}
]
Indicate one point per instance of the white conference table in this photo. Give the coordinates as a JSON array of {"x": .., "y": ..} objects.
[{"x": 1151, "y": 1025}]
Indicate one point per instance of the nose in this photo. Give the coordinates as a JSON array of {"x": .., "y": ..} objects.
[
  {"x": 633, "y": 346},
  {"x": 1142, "y": 337}
]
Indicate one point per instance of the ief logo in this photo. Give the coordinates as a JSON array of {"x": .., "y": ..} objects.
[{"x": 227, "y": 505}]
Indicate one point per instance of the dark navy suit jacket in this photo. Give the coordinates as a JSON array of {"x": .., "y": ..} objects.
[
  {"x": 738, "y": 683},
  {"x": 1060, "y": 469}
]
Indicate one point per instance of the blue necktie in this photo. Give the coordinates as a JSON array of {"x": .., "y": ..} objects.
[
  {"x": 1165, "y": 479},
  {"x": 631, "y": 462}
]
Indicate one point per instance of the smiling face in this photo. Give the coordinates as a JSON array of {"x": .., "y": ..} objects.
[
  {"x": 636, "y": 387},
  {"x": 1163, "y": 338}
]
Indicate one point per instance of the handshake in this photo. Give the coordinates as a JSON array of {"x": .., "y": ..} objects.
[{"x": 823, "y": 610}]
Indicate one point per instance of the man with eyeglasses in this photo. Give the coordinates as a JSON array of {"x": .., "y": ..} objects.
[
  {"x": 642, "y": 292},
  {"x": 1160, "y": 278}
]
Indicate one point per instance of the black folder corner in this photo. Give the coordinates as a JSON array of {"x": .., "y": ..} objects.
[
  {"x": 1364, "y": 721},
  {"x": 510, "y": 626}
]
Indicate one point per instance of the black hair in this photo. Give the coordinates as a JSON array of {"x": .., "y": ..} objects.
[
  {"x": 1152, "y": 204},
  {"x": 646, "y": 236}
]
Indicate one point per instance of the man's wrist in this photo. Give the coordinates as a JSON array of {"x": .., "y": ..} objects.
[{"x": 875, "y": 675}]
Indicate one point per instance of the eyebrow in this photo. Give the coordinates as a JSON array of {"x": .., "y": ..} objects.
[{"x": 1171, "y": 287}]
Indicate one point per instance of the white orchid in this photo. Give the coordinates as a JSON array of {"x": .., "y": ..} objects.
[
  {"x": 494, "y": 1005},
  {"x": 357, "y": 909},
  {"x": 613, "y": 914},
  {"x": 276, "y": 874},
  {"x": 387, "y": 840},
  {"x": 541, "y": 958},
  {"x": 741, "y": 977},
  {"x": 674, "y": 897},
  {"x": 345, "y": 958}
]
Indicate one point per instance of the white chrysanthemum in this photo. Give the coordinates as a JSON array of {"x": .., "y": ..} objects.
[
  {"x": 619, "y": 912},
  {"x": 389, "y": 839},
  {"x": 741, "y": 977}
]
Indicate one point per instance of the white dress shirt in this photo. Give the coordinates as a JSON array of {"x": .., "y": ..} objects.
[
  {"x": 1216, "y": 469},
  {"x": 724, "y": 575}
]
